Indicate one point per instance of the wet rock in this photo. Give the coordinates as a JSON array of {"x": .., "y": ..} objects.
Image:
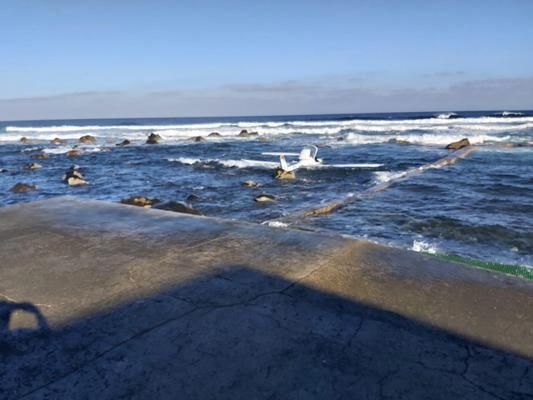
[
  {"x": 399, "y": 141},
  {"x": 2, "y": 170},
  {"x": 23, "y": 188},
  {"x": 32, "y": 166},
  {"x": 459, "y": 144},
  {"x": 263, "y": 198},
  {"x": 214, "y": 134},
  {"x": 284, "y": 175},
  {"x": 125, "y": 142},
  {"x": 154, "y": 138},
  {"x": 177, "y": 207},
  {"x": 74, "y": 177},
  {"x": 341, "y": 139},
  {"x": 57, "y": 141},
  {"x": 245, "y": 133},
  {"x": 192, "y": 197},
  {"x": 24, "y": 139},
  {"x": 198, "y": 139},
  {"x": 140, "y": 201},
  {"x": 87, "y": 139},
  {"x": 250, "y": 184},
  {"x": 40, "y": 156},
  {"x": 73, "y": 153}
]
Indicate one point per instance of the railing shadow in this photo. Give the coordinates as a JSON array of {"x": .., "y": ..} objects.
[{"x": 243, "y": 334}]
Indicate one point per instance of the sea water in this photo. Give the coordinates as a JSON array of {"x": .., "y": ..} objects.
[{"x": 481, "y": 206}]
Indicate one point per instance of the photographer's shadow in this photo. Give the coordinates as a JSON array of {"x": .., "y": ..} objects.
[{"x": 9, "y": 328}]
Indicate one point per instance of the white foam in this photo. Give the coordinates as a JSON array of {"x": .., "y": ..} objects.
[
  {"x": 424, "y": 247},
  {"x": 276, "y": 224},
  {"x": 425, "y": 138},
  {"x": 227, "y": 163}
]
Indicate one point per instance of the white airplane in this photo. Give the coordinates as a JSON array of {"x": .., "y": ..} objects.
[{"x": 307, "y": 158}]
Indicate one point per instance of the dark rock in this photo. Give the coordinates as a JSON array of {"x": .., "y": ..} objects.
[
  {"x": 40, "y": 156},
  {"x": 73, "y": 153},
  {"x": 2, "y": 170},
  {"x": 245, "y": 133},
  {"x": 177, "y": 207},
  {"x": 154, "y": 138},
  {"x": 284, "y": 175},
  {"x": 192, "y": 197},
  {"x": 87, "y": 139},
  {"x": 214, "y": 134},
  {"x": 23, "y": 188},
  {"x": 24, "y": 139},
  {"x": 140, "y": 201},
  {"x": 74, "y": 177},
  {"x": 32, "y": 166},
  {"x": 57, "y": 141},
  {"x": 399, "y": 141},
  {"x": 262, "y": 198},
  {"x": 198, "y": 139},
  {"x": 459, "y": 144},
  {"x": 125, "y": 142},
  {"x": 250, "y": 184}
]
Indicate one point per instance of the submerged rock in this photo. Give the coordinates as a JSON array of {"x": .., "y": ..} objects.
[
  {"x": 40, "y": 156},
  {"x": 125, "y": 142},
  {"x": 140, "y": 201},
  {"x": 23, "y": 188},
  {"x": 214, "y": 134},
  {"x": 459, "y": 144},
  {"x": 177, "y": 207},
  {"x": 57, "y": 141},
  {"x": 74, "y": 177},
  {"x": 250, "y": 184},
  {"x": 198, "y": 139},
  {"x": 399, "y": 141},
  {"x": 73, "y": 153},
  {"x": 32, "y": 166},
  {"x": 281, "y": 174},
  {"x": 2, "y": 170},
  {"x": 192, "y": 197},
  {"x": 262, "y": 198},
  {"x": 153, "y": 138},
  {"x": 87, "y": 139},
  {"x": 24, "y": 139}
]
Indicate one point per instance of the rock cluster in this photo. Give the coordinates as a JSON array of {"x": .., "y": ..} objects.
[
  {"x": 23, "y": 188},
  {"x": 459, "y": 144},
  {"x": 74, "y": 177},
  {"x": 40, "y": 156},
  {"x": 153, "y": 138}
]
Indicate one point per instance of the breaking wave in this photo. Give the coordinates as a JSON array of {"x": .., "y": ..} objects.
[{"x": 226, "y": 163}]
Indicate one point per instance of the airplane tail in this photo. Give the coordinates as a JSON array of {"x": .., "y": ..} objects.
[{"x": 283, "y": 162}]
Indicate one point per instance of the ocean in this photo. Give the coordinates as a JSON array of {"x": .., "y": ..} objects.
[{"x": 480, "y": 206}]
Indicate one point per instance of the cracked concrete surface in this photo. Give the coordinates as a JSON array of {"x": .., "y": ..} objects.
[{"x": 112, "y": 301}]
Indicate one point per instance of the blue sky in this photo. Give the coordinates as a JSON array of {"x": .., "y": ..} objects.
[{"x": 80, "y": 59}]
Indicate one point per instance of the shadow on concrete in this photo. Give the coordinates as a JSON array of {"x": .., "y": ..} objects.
[
  {"x": 9, "y": 308},
  {"x": 241, "y": 334}
]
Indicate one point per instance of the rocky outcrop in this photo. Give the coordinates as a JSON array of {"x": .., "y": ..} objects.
[
  {"x": 281, "y": 174},
  {"x": 125, "y": 142},
  {"x": 23, "y": 188},
  {"x": 198, "y": 139},
  {"x": 250, "y": 184},
  {"x": 459, "y": 144},
  {"x": 40, "y": 156},
  {"x": 73, "y": 153},
  {"x": 263, "y": 198},
  {"x": 24, "y": 139},
  {"x": 214, "y": 134},
  {"x": 245, "y": 133},
  {"x": 192, "y": 197},
  {"x": 57, "y": 141},
  {"x": 140, "y": 201},
  {"x": 32, "y": 166},
  {"x": 87, "y": 139},
  {"x": 74, "y": 177},
  {"x": 153, "y": 138},
  {"x": 177, "y": 207}
]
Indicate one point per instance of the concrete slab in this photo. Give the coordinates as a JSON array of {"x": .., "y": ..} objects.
[{"x": 112, "y": 301}]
